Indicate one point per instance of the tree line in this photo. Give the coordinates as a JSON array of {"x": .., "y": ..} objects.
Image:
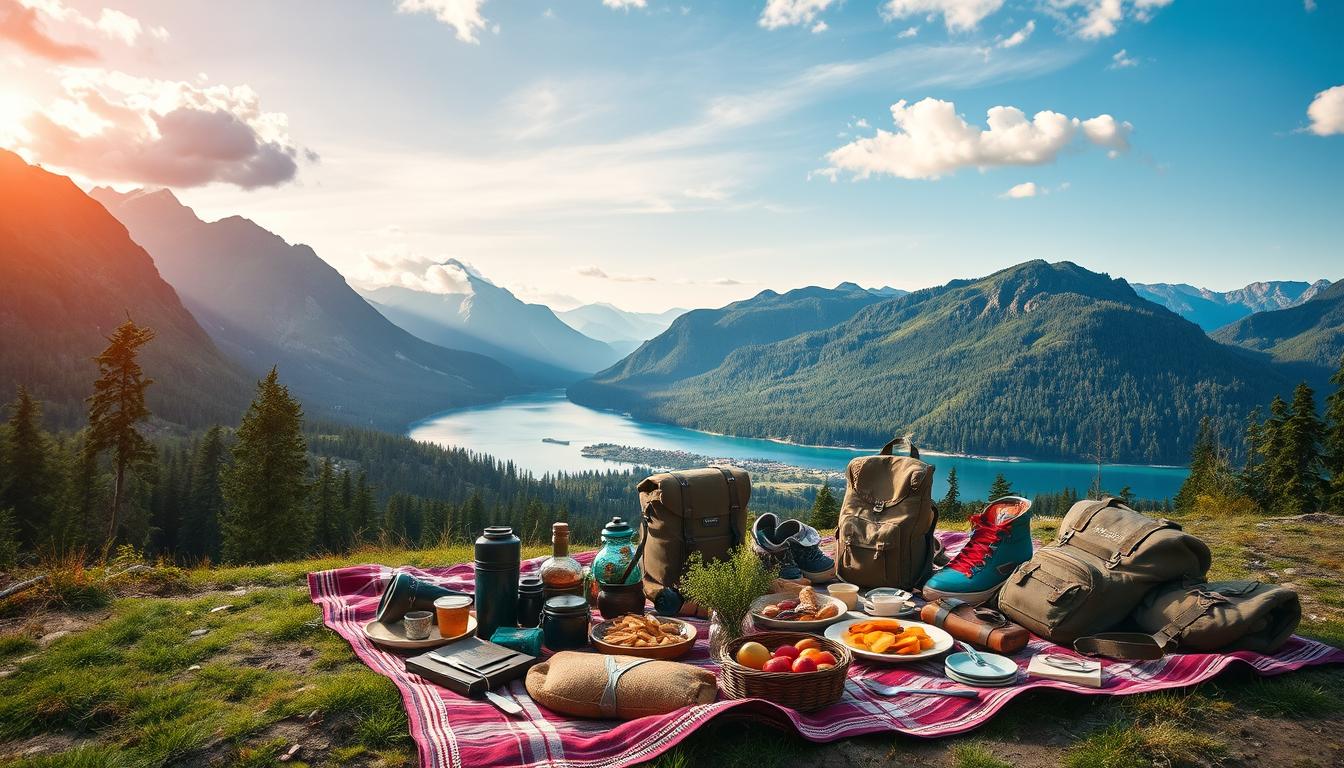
[{"x": 274, "y": 487}]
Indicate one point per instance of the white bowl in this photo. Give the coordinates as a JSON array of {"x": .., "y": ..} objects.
[{"x": 761, "y": 622}]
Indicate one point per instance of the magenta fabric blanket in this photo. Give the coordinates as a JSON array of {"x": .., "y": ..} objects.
[{"x": 453, "y": 731}]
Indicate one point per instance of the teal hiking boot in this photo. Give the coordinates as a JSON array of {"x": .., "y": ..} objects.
[{"x": 1000, "y": 541}]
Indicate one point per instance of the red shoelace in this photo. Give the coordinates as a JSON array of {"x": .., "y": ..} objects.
[{"x": 984, "y": 536}]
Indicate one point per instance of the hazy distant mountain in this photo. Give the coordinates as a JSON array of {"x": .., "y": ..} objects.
[
  {"x": 483, "y": 317},
  {"x": 616, "y": 326},
  {"x": 1213, "y": 309},
  {"x": 69, "y": 275},
  {"x": 1311, "y": 333},
  {"x": 701, "y": 339},
  {"x": 1035, "y": 360},
  {"x": 267, "y": 302},
  {"x": 888, "y": 291}
]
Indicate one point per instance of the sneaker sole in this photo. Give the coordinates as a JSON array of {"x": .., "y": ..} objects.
[
  {"x": 820, "y": 577},
  {"x": 970, "y": 598}
]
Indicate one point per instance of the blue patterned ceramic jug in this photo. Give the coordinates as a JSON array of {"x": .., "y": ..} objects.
[{"x": 618, "y": 550}]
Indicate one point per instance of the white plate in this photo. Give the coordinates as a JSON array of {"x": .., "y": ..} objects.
[
  {"x": 942, "y": 642},
  {"x": 762, "y": 622},
  {"x": 394, "y": 636}
]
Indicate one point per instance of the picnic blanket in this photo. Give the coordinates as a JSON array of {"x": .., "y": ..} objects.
[{"x": 453, "y": 731}]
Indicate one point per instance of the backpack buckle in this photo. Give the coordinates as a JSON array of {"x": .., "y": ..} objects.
[
  {"x": 1114, "y": 561},
  {"x": 878, "y": 507},
  {"x": 1065, "y": 535}
]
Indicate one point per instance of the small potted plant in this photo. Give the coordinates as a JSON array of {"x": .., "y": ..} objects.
[{"x": 727, "y": 588}]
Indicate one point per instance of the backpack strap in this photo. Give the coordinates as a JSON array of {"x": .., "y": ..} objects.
[
  {"x": 686, "y": 511},
  {"x": 1091, "y": 512},
  {"x": 895, "y": 441},
  {"x": 734, "y": 504},
  {"x": 1120, "y": 645}
]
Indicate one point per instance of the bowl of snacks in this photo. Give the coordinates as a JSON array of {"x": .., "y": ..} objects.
[
  {"x": 807, "y": 611},
  {"x": 889, "y": 640},
  {"x": 793, "y": 669},
  {"x": 650, "y": 637}
]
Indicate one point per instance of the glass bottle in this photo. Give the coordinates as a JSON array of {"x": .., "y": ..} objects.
[{"x": 560, "y": 573}]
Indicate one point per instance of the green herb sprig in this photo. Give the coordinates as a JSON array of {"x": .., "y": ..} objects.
[{"x": 727, "y": 587}]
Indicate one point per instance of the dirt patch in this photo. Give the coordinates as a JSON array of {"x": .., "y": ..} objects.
[{"x": 35, "y": 746}]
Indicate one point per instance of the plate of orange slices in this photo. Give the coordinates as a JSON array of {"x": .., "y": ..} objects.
[{"x": 890, "y": 640}]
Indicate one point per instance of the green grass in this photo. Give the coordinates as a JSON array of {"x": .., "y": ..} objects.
[
  {"x": 976, "y": 756},
  {"x": 1126, "y": 745}
]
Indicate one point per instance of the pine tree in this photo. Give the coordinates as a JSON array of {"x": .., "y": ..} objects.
[
  {"x": 116, "y": 408},
  {"x": 1203, "y": 467},
  {"x": 825, "y": 510},
  {"x": 1252, "y": 476},
  {"x": 9, "y": 538},
  {"x": 265, "y": 488},
  {"x": 1000, "y": 487},
  {"x": 205, "y": 504},
  {"x": 950, "y": 506},
  {"x": 1300, "y": 457},
  {"x": 1334, "y": 441},
  {"x": 1275, "y": 469},
  {"x": 29, "y": 479},
  {"x": 361, "y": 508},
  {"x": 329, "y": 522}
]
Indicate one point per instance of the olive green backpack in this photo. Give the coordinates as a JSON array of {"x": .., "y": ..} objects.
[
  {"x": 885, "y": 533},
  {"x": 692, "y": 511},
  {"x": 1102, "y": 565}
]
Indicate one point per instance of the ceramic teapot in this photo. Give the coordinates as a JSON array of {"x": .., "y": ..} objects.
[{"x": 612, "y": 562}]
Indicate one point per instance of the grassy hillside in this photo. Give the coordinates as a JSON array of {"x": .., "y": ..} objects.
[
  {"x": 105, "y": 672},
  {"x": 1310, "y": 334}
]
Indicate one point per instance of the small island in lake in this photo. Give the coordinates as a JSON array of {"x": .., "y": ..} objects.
[{"x": 554, "y": 441}]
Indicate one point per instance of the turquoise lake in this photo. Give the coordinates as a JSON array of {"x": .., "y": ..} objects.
[{"x": 513, "y": 429}]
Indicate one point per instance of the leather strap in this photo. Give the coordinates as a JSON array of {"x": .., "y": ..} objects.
[
  {"x": 1120, "y": 645},
  {"x": 607, "y": 703},
  {"x": 734, "y": 504},
  {"x": 1086, "y": 517},
  {"x": 945, "y": 608},
  {"x": 986, "y": 619},
  {"x": 686, "y": 511},
  {"x": 1196, "y": 606}
]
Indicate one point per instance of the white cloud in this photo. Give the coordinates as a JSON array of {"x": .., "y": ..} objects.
[
  {"x": 789, "y": 13},
  {"x": 908, "y": 32},
  {"x": 464, "y": 16},
  {"x": 592, "y": 270},
  {"x": 23, "y": 24},
  {"x": 820, "y": 27},
  {"x": 1122, "y": 60},
  {"x": 1020, "y": 36},
  {"x": 1019, "y": 191},
  {"x": 932, "y": 140},
  {"x": 1094, "y": 19},
  {"x": 396, "y": 265},
  {"x": 1327, "y": 112},
  {"x": 624, "y": 4},
  {"x": 958, "y": 15},
  {"x": 110, "y": 126}
]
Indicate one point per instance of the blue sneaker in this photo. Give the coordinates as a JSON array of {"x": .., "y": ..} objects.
[
  {"x": 772, "y": 548},
  {"x": 1000, "y": 541},
  {"x": 805, "y": 545}
]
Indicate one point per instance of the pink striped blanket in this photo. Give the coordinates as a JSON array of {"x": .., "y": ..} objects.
[{"x": 453, "y": 731}]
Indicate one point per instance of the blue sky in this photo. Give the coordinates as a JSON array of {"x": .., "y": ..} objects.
[{"x": 692, "y": 153}]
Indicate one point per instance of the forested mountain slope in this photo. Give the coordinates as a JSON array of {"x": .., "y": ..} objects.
[
  {"x": 1214, "y": 309},
  {"x": 267, "y": 302},
  {"x": 69, "y": 275},
  {"x": 1035, "y": 360},
  {"x": 702, "y": 339},
  {"x": 1311, "y": 334},
  {"x": 470, "y": 312}
]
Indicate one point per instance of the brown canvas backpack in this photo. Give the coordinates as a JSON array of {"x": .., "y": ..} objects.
[
  {"x": 1220, "y": 616},
  {"x": 696, "y": 510},
  {"x": 1101, "y": 566},
  {"x": 885, "y": 533}
]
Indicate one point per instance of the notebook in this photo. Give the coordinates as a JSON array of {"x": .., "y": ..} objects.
[
  {"x": 1066, "y": 669},
  {"x": 496, "y": 662}
]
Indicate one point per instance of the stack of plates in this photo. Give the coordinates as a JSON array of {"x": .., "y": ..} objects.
[{"x": 998, "y": 672}]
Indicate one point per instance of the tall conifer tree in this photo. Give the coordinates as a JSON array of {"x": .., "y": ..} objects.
[
  {"x": 1000, "y": 487},
  {"x": 30, "y": 480},
  {"x": 265, "y": 488},
  {"x": 205, "y": 505},
  {"x": 825, "y": 510},
  {"x": 1300, "y": 455},
  {"x": 950, "y": 506},
  {"x": 116, "y": 409}
]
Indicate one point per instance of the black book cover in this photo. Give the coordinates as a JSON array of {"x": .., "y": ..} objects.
[{"x": 501, "y": 665}]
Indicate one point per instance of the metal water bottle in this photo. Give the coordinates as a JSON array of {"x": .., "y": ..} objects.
[{"x": 498, "y": 559}]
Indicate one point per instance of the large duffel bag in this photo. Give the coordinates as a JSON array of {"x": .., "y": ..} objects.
[
  {"x": 885, "y": 534},
  {"x": 1101, "y": 566},
  {"x": 1220, "y": 616},
  {"x": 696, "y": 510}
]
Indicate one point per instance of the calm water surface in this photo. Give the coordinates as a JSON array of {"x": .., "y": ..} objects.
[{"x": 513, "y": 429}]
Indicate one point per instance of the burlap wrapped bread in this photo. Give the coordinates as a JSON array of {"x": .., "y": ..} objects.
[{"x": 623, "y": 687}]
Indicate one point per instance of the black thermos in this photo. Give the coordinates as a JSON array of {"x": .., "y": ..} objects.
[{"x": 498, "y": 558}]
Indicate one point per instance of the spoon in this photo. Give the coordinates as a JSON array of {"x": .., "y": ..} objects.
[
  {"x": 975, "y": 656},
  {"x": 894, "y": 690}
]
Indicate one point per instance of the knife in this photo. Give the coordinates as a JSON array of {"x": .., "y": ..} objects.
[{"x": 501, "y": 703}]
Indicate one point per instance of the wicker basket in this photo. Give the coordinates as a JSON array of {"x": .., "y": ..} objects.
[{"x": 803, "y": 691}]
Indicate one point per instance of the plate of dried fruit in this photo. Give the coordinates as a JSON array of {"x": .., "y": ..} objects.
[
  {"x": 652, "y": 637},
  {"x": 806, "y": 611},
  {"x": 890, "y": 640}
]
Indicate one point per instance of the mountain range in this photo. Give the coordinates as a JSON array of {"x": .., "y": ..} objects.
[
  {"x": 69, "y": 275},
  {"x": 1036, "y": 360},
  {"x": 1211, "y": 310},
  {"x": 267, "y": 302},
  {"x": 1310, "y": 334},
  {"x": 467, "y": 311},
  {"x": 623, "y": 330}
]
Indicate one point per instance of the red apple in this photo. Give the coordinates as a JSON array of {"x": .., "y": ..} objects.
[
  {"x": 786, "y": 650},
  {"x": 804, "y": 665},
  {"x": 823, "y": 657},
  {"x": 778, "y": 664}
]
